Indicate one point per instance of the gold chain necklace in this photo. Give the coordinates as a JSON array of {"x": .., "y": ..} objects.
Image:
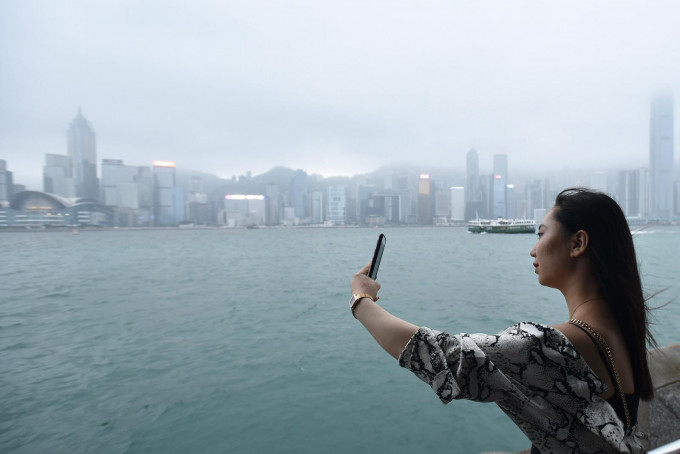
[
  {"x": 601, "y": 340},
  {"x": 586, "y": 301}
]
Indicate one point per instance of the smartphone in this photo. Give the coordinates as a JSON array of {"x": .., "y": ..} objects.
[{"x": 377, "y": 257}]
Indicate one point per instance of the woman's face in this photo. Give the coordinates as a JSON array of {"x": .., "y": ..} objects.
[{"x": 552, "y": 252}]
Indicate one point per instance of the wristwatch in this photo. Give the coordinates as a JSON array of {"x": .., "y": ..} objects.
[{"x": 354, "y": 301}]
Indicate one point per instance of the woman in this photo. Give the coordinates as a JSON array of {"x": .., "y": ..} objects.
[{"x": 570, "y": 387}]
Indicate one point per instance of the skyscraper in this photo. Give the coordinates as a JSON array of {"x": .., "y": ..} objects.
[
  {"x": 500, "y": 181},
  {"x": 82, "y": 149},
  {"x": 337, "y": 204},
  {"x": 425, "y": 200},
  {"x": 472, "y": 192},
  {"x": 58, "y": 175},
  {"x": 6, "y": 183},
  {"x": 661, "y": 158},
  {"x": 298, "y": 193}
]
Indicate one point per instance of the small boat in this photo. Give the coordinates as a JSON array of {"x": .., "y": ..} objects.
[{"x": 501, "y": 225}]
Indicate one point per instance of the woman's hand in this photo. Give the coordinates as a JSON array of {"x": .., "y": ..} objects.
[
  {"x": 391, "y": 332},
  {"x": 364, "y": 284}
]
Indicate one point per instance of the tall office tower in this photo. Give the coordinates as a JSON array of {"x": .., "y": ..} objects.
[
  {"x": 640, "y": 192},
  {"x": 677, "y": 198},
  {"x": 298, "y": 193},
  {"x": 337, "y": 204},
  {"x": 661, "y": 158},
  {"x": 317, "y": 207},
  {"x": 271, "y": 204},
  {"x": 457, "y": 199},
  {"x": 425, "y": 214},
  {"x": 166, "y": 209},
  {"x": 406, "y": 209},
  {"x": 537, "y": 195},
  {"x": 472, "y": 191},
  {"x": 113, "y": 173},
  {"x": 511, "y": 202},
  {"x": 82, "y": 149},
  {"x": 6, "y": 183},
  {"x": 364, "y": 202},
  {"x": 58, "y": 176},
  {"x": 500, "y": 181}
]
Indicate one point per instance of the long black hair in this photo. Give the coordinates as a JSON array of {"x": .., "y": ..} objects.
[{"x": 613, "y": 259}]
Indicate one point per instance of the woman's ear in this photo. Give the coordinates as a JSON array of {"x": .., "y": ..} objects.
[{"x": 580, "y": 243}]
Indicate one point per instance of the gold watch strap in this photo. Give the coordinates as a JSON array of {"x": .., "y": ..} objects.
[{"x": 355, "y": 301}]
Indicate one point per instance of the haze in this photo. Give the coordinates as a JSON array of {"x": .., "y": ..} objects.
[{"x": 335, "y": 87}]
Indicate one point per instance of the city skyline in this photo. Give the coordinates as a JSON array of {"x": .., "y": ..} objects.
[{"x": 336, "y": 88}]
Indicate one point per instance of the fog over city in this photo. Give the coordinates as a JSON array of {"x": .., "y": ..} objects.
[{"x": 336, "y": 87}]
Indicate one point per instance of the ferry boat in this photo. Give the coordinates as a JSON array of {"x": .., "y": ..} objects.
[{"x": 501, "y": 225}]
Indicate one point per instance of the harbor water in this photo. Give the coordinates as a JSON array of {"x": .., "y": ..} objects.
[{"x": 216, "y": 341}]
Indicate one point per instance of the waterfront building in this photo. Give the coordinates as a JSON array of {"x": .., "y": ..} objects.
[
  {"x": 169, "y": 206},
  {"x": 661, "y": 158},
  {"x": 425, "y": 195},
  {"x": 36, "y": 209},
  {"x": 298, "y": 194},
  {"x": 632, "y": 192},
  {"x": 337, "y": 204},
  {"x": 385, "y": 207},
  {"x": 472, "y": 192},
  {"x": 441, "y": 206},
  {"x": 364, "y": 202},
  {"x": 82, "y": 149},
  {"x": 271, "y": 203},
  {"x": 317, "y": 207},
  {"x": 6, "y": 184},
  {"x": 407, "y": 208},
  {"x": 243, "y": 210},
  {"x": 499, "y": 182},
  {"x": 58, "y": 175},
  {"x": 538, "y": 195},
  {"x": 511, "y": 203},
  {"x": 457, "y": 201}
]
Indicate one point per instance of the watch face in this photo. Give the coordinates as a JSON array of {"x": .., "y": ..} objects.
[{"x": 352, "y": 300}]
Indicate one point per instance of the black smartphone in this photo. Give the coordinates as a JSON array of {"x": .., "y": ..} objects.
[{"x": 377, "y": 256}]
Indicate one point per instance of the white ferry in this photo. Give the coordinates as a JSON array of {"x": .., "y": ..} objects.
[{"x": 501, "y": 225}]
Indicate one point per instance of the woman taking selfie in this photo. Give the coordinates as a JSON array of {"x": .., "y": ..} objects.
[{"x": 570, "y": 387}]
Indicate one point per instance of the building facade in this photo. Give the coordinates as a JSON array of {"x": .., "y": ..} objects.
[
  {"x": 82, "y": 149},
  {"x": 661, "y": 145}
]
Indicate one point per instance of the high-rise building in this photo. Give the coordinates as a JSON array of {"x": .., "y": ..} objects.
[
  {"x": 58, "y": 175},
  {"x": 457, "y": 199},
  {"x": 6, "y": 184},
  {"x": 169, "y": 207},
  {"x": 425, "y": 215},
  {"x": 472, "y": 192},
  {"x": 661, "y": 158},
  {"x": 317, "y": 207},
  {"x": 298, "y": 193},
  {"x": 337, "y": 204},
  {"x": 271, "y": 204},
  {"x": 632, "y": 192},
  {"x": 82, "y": 149},
  {"x": 500, "y": 181}
]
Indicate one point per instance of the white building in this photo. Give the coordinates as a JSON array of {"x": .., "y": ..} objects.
[
  {"x": 457, "y": 201},
  {"x": 337, "y": 205}
]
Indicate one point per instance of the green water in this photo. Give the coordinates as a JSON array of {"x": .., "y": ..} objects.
[{"x": 212, "y": 341}]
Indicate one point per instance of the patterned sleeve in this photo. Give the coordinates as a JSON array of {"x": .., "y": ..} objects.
[{"x": 456, "y": 367}]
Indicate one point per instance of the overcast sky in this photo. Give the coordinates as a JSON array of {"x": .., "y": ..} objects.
[{"x": 335, "y": 87}]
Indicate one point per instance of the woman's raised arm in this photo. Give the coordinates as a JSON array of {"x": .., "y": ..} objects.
[{"x": 392, "y": 333}]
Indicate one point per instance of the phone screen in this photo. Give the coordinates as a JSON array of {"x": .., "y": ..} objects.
[{"x": 377, "y": 257}]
